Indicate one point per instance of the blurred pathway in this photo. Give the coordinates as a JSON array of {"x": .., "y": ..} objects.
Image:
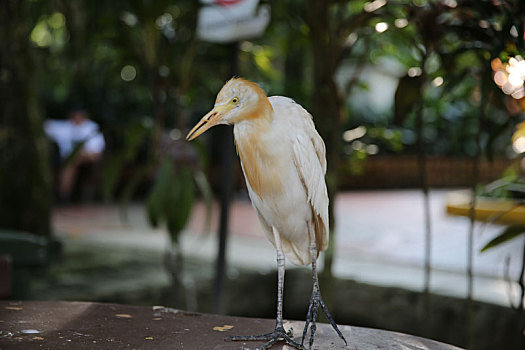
[{"x": 379, "y": 240}]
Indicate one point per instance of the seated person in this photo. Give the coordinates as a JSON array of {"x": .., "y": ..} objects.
[{"x": 79, "y": 143}]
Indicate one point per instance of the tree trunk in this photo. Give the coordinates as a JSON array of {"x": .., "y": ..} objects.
[
  {"x": 423, "y": 183},
  {"x": 25, "y": 181},
  {"x": 294, "y": 72},
  {"x": 327, "y": 106}
]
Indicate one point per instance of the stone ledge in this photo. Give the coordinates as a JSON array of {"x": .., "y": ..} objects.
[{"x": 83, "y": 325}]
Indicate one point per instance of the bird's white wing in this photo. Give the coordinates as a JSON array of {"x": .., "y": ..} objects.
[{"x": 310, "y": 160}]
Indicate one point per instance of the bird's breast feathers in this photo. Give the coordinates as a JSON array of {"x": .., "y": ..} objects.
[
  {"x": 268, "y": 148},
  {"x": 261, "y": 162}
]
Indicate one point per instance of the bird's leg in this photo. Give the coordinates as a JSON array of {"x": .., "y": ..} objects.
[
  {"x": 280, "y": 279},
  {"x": 316, "y": 301},
  {"x": 279, "y": 334}
]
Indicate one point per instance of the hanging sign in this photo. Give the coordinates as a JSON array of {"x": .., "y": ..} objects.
[{"x": 226, "y": 21}]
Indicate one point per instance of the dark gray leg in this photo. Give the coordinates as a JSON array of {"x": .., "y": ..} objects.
[
  {"x": 316, "y": 301},
  {"x": 279, "y": 334}
]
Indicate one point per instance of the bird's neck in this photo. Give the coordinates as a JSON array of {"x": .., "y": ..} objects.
[
  {"x": 257, "y": 119},
  {"x": 254, "y": 140},
  {"x": 257, "y": 122},
  {"x": 262, "y": 110}
]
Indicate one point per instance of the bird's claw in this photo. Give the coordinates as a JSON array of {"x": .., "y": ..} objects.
[
  {"x": 278, "y": 335},
  {"x": 311, "y": 319}
]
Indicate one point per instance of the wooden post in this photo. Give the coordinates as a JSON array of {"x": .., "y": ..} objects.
[{"x": 225, "y": 195}]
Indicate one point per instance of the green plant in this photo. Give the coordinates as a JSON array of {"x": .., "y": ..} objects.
[
  {"x": 510, "y": 232},
  {"x": 173, "y": 173},
  {"x": 511, "y": 187}
]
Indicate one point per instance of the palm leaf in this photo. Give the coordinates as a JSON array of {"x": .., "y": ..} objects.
[
  {"x": 157, "y": 198},
  {"x": 180, "y": 200},
  {"x": 508, "y": 233},
  {"x": 408, "y": 93}
]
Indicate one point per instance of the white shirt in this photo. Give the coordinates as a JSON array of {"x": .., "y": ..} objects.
[{"x": 68, "y": 134}]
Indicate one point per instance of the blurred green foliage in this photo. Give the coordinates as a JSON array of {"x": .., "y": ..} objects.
[
  {"x": 137, "y": 66},
  {"x": 137, "y": 60}
]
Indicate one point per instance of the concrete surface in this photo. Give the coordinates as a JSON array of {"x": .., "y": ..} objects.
[{"x": 80, "y": 325}]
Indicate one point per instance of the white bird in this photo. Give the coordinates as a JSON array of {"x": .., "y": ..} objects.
[{"x": 283, "y": 161}]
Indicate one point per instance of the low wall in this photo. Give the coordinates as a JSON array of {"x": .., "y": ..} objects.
[{"x": 402, "y": 171}]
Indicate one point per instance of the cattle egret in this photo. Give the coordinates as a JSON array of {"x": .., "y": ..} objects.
[{"x": 283, "y": 161}]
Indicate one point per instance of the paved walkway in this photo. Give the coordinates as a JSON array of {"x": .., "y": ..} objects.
[{"x": 380, "y": 240}]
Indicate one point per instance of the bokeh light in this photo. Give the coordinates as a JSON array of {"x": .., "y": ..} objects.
[
  {"x": 50, "y": 31},
  {"x": 519, "y": 145},
  {"x": 510, "y": 76},
  {"x": 351, "y": 39},
  {"x": 374, "y": 5},
  {"x": 401, "y": 22},
  {"x": 128, "y": 73},
  {"x": 381, "y": 27},
  {"x": 414, "y": 72},
  {"x": 438, "y": 81},
  {"x": 518, "y": 138},
  {"x": 175, "y": 134},
  {"x": 353, "y": 134},
  {"x": 372, "y": 149}
]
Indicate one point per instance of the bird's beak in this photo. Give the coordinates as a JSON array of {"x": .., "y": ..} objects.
[{"x": 214, "y": 117}]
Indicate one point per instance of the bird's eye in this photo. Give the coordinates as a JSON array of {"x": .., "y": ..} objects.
[{"x": 235, "y": 100}]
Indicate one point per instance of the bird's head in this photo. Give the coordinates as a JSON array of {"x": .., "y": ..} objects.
[{"x": 238, "y": 100}]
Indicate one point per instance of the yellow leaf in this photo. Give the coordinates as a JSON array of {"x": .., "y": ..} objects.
[
  {"x": 123, "y": 315},
  {"x": 224, "y": 328}
]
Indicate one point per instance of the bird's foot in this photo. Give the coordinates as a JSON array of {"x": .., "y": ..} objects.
[
  {"x": 311, "y": 319},
  {"x": 278, "y": 335}
]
